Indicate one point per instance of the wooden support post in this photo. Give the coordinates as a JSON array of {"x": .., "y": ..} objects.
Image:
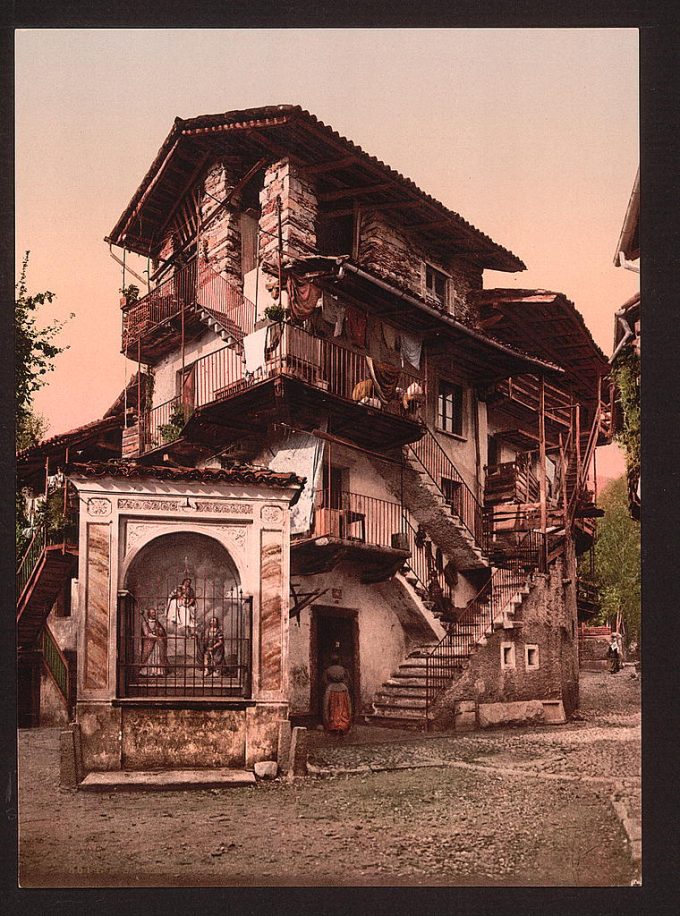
[{"x": 543, "y": 478}]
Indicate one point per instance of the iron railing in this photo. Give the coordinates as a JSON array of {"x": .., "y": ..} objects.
[
  {"x": 158, "y": 426},
  {"x": 55, "y": 662},
  {"x": 355, "y": 517},
  {"x": 30, "y": 559},
  {"x": 452, "y": 487},
  {"x": 476, "y": 621},
  {"x": 201, "y": 647},
  {"x": 291, "y": 352},
  {"x": 423, "y": 560}
]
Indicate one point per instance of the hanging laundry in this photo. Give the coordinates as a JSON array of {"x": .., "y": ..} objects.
[
  {"x": 275, "y": 332},
  {"x": 356, "y": 325},
  {"x": 333, "y": 312},
  {"x": 253, "y": 349},
  {"x": 303, "y": 297},
  {"x": 391, "y": 337},
  {"x": 411, "y": 349},
  {"x": 385, "y": 377}
]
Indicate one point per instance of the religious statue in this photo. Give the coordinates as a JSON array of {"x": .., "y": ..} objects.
[
  {"x": 154, "y": 646},
  {"x": 337, "y": 703},
  {"x": 213, "y": 649},
  {"x": 181, "y": 608}
]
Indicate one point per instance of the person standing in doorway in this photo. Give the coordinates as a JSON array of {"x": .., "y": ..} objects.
[{"x": 337, "y": 703}]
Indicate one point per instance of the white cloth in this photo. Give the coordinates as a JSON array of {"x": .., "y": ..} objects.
[
  {"x": 253, "y": 349},
  {"x": 411, "y": 348},
  {"x": 301, "y": 454},
  {"x": 180, "y": 613}
]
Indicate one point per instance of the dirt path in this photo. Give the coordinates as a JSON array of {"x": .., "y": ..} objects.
[{"x": 487, "y": 816}]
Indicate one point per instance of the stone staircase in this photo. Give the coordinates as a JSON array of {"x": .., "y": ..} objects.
[{"x": 401, "y": 702}]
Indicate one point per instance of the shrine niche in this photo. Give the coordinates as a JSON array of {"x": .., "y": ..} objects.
[{"x": 184, "y": 623}]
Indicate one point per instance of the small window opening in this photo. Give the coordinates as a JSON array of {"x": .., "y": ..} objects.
[{"x": 436, "y": 283}]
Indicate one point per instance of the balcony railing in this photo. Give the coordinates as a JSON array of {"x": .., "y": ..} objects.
[
  {"x": 355, "y": 517},
  {"x": 293, "y": 353},
  {"x": 525, "y": 390},
  {"x": 197, "y": 285},
  {"x": 511, "y": 481}
]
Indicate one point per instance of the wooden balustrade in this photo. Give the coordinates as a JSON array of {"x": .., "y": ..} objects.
[{"x": 355, "y": 517}]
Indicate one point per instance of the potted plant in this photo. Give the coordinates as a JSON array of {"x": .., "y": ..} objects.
[
  {"x": 130, "y": 294},
  {"x": 173, "y": 428},
  {"x": 275, "y": 312}
]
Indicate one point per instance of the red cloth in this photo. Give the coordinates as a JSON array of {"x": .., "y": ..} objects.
[
  {"x": 302, "y": 297},
  {"x": 355, "y": 322},
  {"x": 386, "y": 378},
  {"x": 339, "y": 715}
]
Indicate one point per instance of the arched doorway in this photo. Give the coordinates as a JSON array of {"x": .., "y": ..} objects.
[{"x": 184, "y": 624}]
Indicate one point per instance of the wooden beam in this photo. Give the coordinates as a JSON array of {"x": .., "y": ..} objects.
[
  {"x": 331, "y": 166},
  {"x": 356, "y": 191},
  {"x": 543, "y": 476}
]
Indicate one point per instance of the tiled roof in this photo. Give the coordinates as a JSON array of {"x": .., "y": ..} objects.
[
  {"x": 239, "y": 474},
  {"x": 61, "y": 440}
]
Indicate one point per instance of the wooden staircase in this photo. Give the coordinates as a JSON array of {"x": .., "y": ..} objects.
[{"x": 53, "y": 566}]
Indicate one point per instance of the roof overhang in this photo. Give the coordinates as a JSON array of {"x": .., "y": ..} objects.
[
  {"x": 349, "y": 175},
  {"x": 629, "y": 240}
]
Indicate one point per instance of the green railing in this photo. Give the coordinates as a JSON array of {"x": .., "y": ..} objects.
[
  {"x": 55, "y": 661},
  {"x": 30, "y": 560}
]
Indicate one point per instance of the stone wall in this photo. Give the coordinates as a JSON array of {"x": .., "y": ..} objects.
[
  {"x": 399, "y": 257},
  {"x": 593, "y": 652},
  {"x": 53, "y": 707},
  {"x": 546, "y": 617},
  {"x": 221, "y": 241},
  {"x": 299, "y": 209}
]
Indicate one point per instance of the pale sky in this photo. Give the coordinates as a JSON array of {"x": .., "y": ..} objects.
[{"x": 529, "y": 134}]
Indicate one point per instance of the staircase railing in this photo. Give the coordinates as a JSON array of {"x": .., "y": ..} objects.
[
  {"x": 30, "y": 559},
  {"x": 423, "y": 560},
  {"x": 449, "y": 655},
  {"x": 55, "y": 662},
  {"x": 439, "y": 467}
]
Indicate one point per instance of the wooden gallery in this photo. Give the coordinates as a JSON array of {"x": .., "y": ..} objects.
[{"x": 338, "y": 444}]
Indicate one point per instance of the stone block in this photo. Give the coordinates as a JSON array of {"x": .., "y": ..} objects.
[
  {"x": 465, "y": 715},
  {"x": 68, "y": 777},
  {"x": 298, "y": 753},
  {"x": 283, "y": 750},
  {"x": 266, "y": 769},
  {"x": 554, "y": 712},
  {"x": 520, "y": 712}
]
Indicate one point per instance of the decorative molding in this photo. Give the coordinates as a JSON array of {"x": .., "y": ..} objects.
[
  {"x": 237, "y": 536},
  {"x": 157, "y": 504},
  {"x": 133, "y": 533},
  {"x": 225, "y": 508},
  {"x": 272, "y": 514},
  {"x": 98, "y": 506}
]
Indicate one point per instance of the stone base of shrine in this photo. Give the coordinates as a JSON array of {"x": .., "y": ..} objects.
[{"x": 172, "y": 735}]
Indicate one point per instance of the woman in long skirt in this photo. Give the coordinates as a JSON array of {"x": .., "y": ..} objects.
[{"x": 337, "y": 703}]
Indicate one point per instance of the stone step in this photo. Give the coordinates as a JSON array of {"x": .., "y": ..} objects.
[
  {"x": 387, "y": 701},
  {"x": 384, "y": 712},
  {"x": 156, "y": 780},
  {"x": 406, "y": 682},
  {"x": 400, "y": 689}
]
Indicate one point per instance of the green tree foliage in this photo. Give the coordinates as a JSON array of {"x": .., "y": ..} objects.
[
  {"x": 35, "y": 350},
  {"x": 626, "y": 376},
  {"x": 617, "y": 559}
]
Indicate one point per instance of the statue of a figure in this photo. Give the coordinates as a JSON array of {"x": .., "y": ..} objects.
[
  {"x": 154, "y": 646},
  {"x": 337, "y": 703},
  {"x": 213, "y": 649},
  {"x": 181, "y": 608}
]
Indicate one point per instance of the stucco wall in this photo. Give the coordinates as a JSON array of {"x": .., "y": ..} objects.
[
  {"x": 165, "y": 371},
  {"x": 53, "y": 708}
]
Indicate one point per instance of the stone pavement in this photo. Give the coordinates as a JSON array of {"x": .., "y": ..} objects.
[{"x": 510, "y": 808}]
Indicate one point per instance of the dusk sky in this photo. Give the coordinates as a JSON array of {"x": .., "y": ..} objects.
[{"x": 529, "y": 134}]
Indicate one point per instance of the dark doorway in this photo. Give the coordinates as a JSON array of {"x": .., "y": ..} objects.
[{"x": 334, "y": 629}]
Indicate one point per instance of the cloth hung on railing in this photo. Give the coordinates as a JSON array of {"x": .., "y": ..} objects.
[
  {"x": 302, "y": 454},
  {"x": 333, "y": 312},
  {"x": 411, "y": 349},
  {"x": 356, "y": 325},
  {"x": 274, "y": 335},
  {"x": 385, "y": 378},
  {"x": 303, "y": 297},
  {"x": 253, "y": 349},
  {"x": 391, "y": 337}
]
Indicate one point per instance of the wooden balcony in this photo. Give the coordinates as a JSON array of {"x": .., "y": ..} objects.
[
  {"x": 300, "y": 379},
  {"x": 362, "y": 529},
  {"x": 511, "y": 482}
]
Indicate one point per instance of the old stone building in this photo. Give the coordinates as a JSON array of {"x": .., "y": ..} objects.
[{"x": 338, "y": 441}]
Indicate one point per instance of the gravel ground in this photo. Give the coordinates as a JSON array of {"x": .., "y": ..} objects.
[{"x": 464, "y": 810}]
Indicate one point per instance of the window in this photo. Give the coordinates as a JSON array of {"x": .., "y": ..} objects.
[
  {"x": 493, "y": 451},
  {"x": 450, "y": 408},
  {"x": 335, "y": 234},
  {"x": 436, "y": 284},
  {"x": 452, "y": 492},
  {"x": 507, "y": 655},
  {"x": 531, "y": 658}
]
